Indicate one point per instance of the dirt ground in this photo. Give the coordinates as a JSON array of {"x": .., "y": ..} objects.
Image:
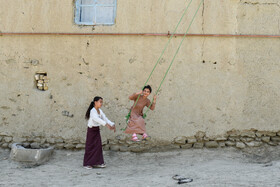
[{"x": 207, "y": 167}]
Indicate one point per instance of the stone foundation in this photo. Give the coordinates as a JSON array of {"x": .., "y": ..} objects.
[{"x": 233, "y": 138}]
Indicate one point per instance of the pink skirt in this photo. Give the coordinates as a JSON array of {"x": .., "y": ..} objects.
[{"x": 136, "y": 125}]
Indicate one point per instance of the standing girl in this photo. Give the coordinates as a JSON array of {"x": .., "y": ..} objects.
[
  {"x": 136, "y": 124},
  {"x": 93, "y": 152}
]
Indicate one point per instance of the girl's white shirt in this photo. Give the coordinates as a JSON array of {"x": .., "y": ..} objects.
[{"x": 95, "y": 119}]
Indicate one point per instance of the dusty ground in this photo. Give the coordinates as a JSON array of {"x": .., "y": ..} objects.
[{"x": 215, "y": 167}]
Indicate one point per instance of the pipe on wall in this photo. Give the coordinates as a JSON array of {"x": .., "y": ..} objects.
[{"x": 136, "y": 34}]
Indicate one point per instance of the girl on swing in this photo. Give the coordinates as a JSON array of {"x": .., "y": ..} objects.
[{"x": 136, "y": 124}]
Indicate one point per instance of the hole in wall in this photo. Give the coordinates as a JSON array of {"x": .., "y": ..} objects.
[{"x": 41, "y": 79}]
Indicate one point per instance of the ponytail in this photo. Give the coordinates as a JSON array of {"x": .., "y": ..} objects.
[{"x": 97, "y": 98}]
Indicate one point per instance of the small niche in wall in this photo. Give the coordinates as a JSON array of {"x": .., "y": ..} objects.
[{"x": 42, "y": 80}]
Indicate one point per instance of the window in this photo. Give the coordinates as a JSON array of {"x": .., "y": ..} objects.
[{"x": 95, "y": 12}]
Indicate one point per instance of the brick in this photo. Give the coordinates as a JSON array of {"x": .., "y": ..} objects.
[
  {"x": 240, "y": 145},
  {"x": 186, "y": 146},
  {"x": 198, "y": 145},
  {"x": 191, "y": 140},
  {"x": 253, "y": 144},
  {"x": 250, "y": 134},
  {"x": 180, "y": 140},
  {"x": 114, "y": 147},
  {"x": 275, "y": 139},
  {"x": 265, "y": 139},
  {"x": 80, "y": 146},
  {"x": 211, "y": 144},
  {"x": 230, "y": 143},
  {"x": 69, "y": 146},
  {"x": 8, "y": 139},
  {"x": 124, "y": 148}
]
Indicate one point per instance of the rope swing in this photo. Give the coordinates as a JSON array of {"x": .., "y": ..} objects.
[{"x": 171, "y": 63}]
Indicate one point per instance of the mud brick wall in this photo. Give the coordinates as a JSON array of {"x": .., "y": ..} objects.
[{"x": 216, "y": 84}]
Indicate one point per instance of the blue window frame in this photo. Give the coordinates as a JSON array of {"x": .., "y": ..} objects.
[{"x": 95, "y": 12}]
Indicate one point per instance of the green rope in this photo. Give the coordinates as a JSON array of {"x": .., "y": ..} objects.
[
  {"x": 166, "y": 45},
  {"x": 145, "y": 114},
  {"x": 168, "y": 42}
]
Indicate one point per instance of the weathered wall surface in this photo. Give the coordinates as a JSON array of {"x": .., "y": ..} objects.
[{"x": 215, "y": 84}]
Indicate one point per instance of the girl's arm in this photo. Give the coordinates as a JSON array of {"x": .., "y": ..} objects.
[
  {"x": 135, "y": 95},
  {"x": 110, "y": 124},
  {"x": 153, "y": 106},
  {"x": 106, "y": 119},
  {"x": 95, "y": 118}
]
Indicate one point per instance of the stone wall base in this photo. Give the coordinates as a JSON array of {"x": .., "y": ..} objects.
[{"x": 233, "y": 138}]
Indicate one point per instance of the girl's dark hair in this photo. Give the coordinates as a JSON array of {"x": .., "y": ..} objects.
[
  {"x": 97, "y": 98},
  {"x": 148, "y": 87}
]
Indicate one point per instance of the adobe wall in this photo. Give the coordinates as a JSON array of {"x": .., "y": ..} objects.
[{"x": 216, "y": 84}]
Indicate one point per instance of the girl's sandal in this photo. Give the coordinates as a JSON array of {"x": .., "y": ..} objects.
[
  {"x": 100, "y": 166},
  {"x": 135, "y": 139},
  {"x": 146, "y": 137}
]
